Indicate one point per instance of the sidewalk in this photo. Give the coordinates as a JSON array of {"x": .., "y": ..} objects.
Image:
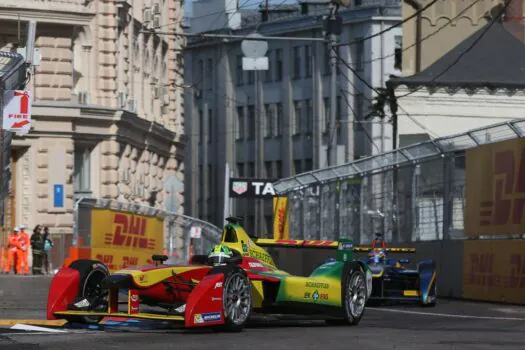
[{"x": 23, "y": 297}]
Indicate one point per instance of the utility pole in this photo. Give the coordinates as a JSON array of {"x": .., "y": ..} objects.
[{"x": 333, "y": 28}]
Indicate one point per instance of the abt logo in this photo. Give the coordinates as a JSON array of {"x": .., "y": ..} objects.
[{"x": 129, "y": 231}]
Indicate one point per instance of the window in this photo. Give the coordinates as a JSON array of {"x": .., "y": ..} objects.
[
  {"x": 240, "y": 72},
  {"x": 308, "y": 60},
  {"x": 278, "y": 64},
  {"x": 279, "y": 169},
  {"x": 201, "y": 126},
  {"x": 398, "y": 53},
  {"x": 251, "y": 122},
  {"x": 358, "y": 109},
  {"x": 359, "y": 52},
  {"x": 268, "y": 169},
  {"x": 309, "y": 116},
  {"x": 240, "y": 123},
  {"x": 251, "y": 169},
  {"x": 308, "y": 165},
  {"x": 279, "y": 120},
  {"x": 268, "y": 73},
  {"x": 209, "y": 74},
  {"x": 269, "y": 120},
  {"x": 326, "y": 116},
  {"x": 297, "y": 113},
  {"x": 297, "y": 62},
  {"x": 210, "y": 181},
  {"x": 338, "y": 119},
  {"x": 326, "y": 60},
  {"x": 82, "y": 169},
  {"x": 200, "y": 70},
  {"x": 240, "y": 169},
  {"x": 210, "y": 126},
  {"x": 297, "y": 166}
]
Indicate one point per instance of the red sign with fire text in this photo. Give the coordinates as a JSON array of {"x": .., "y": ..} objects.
[
  {"x": 494, "y": 270},
  {"x": 495, "y": 189},
  {"x": 121, "y": 239},
  {"x": 17, "y": 110}
]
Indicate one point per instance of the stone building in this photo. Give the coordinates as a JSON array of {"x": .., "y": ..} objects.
[{"x": 107, "y": 110}]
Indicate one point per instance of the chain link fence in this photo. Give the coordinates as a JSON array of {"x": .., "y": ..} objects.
[
  {"x": 177, "y": 228},
  {"x": 415, "y": 193}
]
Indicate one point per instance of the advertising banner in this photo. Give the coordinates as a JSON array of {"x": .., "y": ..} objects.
[
  {"x": 121, "y": 239},
  {"x": 494, "y": 270},
  {"x": 251, "y": 188},
  {"x": 281, "y": 226},
  {"x": 495, "y": 189}
]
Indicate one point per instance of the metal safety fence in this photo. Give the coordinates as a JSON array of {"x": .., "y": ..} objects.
[
  {"x": 414, "y": 193},
  {"x": 179, "y": 242}
]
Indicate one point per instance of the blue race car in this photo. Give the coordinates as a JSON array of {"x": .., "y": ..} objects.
[{"x": 392, "y": 281}]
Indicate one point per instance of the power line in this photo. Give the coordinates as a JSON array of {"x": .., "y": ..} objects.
[
  {"x": 427, "y": 36},
  {"x": 464, "y": 52},
  {"x": 389, "y": 28}
]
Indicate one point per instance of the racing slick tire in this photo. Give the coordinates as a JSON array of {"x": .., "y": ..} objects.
[
  {"x": 353, "y": 297},
  {"x": 237, "y": 298},
  {"x": 92, "y": 273}
]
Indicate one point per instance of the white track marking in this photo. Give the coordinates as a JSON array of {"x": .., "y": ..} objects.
[
  {"x": 447, "y": 315},
  {"x": 25, "y": 327}
]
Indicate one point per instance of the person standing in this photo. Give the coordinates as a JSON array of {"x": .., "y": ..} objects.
[
  {"x": 48, "y": 244},
  {"x": 12, "y": 252},
  {"x": 37, "y": 246},
  {"x": 23, "y": 240}
]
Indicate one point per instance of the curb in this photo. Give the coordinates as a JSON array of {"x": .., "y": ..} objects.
[{"x": 10, "y": 323}]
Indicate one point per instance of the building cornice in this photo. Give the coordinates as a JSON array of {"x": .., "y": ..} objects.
[
  {"x": 430, "y": 91},
  {"x": 72, "y": 15}
]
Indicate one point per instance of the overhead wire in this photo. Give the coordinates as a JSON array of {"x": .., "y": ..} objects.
[
  {"x": 483, "y": 32},
  {"x": 389, "y": 28}
]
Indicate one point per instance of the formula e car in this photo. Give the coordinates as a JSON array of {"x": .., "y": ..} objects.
[
  {"x": 221, "y": 296},
  {"x": 393, "y": 281}
]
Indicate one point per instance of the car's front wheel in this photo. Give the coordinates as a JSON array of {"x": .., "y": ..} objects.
[
  {"x": 237, "y": 300},
  {"x": 354, "y": 298}
]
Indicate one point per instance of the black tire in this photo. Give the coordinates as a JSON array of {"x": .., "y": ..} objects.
[
  {"x": 354, "y": 283},
  {"x": 92, "y": 273}
]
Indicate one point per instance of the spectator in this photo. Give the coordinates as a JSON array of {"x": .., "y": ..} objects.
[
  {"x": 37, "y": 245},
  {"x": 48, "y": 244}
]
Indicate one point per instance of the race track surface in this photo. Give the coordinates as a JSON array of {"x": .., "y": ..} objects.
[{"x": 450, "y": 325}]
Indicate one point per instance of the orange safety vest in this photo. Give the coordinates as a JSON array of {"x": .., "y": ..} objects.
[
  {"x": 23, "y": 241},
  {"x": 13, "y": 242}
]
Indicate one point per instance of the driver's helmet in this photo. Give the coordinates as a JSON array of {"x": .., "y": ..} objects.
[
  {"x": 377, "y": 255},
  {"x": 219, "y": 253}
]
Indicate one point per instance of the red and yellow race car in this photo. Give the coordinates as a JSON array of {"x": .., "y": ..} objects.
[{"x": 221, "y": 290}]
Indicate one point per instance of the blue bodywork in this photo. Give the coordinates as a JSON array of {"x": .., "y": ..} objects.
[{"x": 392, "y": 280}]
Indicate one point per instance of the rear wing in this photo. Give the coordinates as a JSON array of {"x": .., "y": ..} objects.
[
  {"x": 296, "y": 243},
  {"x": 388, "y": 250},
  {"x": 317, "y": 244}
]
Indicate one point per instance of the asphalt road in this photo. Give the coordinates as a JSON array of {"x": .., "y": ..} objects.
[{"x": 450, "y": 325}]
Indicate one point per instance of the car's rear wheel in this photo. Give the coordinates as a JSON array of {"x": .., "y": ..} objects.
[
  {"x": 92, "y": 273},
  {"x": 237, "y": 300}
]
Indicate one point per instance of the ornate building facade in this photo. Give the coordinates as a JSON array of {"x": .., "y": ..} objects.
[{"x": 107, "y": 110}]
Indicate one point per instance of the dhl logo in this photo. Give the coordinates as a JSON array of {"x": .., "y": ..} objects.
[
  {"x": 509, "y": 181},
  {"x": 129, "y": 231}
]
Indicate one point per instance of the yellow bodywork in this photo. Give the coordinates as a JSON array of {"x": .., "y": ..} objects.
[{"x": 151, "y": 277}]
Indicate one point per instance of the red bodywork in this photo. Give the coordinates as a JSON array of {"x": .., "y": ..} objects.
[{"x": 204, "y": 302}]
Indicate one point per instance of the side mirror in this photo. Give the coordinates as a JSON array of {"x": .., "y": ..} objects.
[{"x": 404, "y": 261}]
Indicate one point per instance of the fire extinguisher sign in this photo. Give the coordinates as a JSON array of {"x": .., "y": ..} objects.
[{"x": 17, "y": 111}]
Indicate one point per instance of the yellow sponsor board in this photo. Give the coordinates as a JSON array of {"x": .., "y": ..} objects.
[
  {"x": 281, "y": 227},
  {"x": 120, "y": 239},
  {"x": 494, "y": 270},
  {"x": 495, "y": 189}
]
